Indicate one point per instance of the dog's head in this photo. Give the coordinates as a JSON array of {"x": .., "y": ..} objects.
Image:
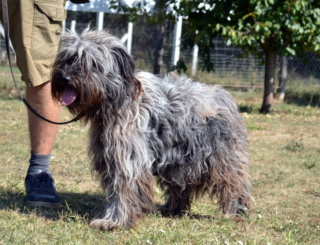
[{"x": 93, "y": 72}]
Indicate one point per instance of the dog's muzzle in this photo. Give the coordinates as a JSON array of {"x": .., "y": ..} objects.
[{"x": 62, "y": 83}]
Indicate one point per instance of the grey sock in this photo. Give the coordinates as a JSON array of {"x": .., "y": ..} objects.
[{"x": 39, "y": 163}]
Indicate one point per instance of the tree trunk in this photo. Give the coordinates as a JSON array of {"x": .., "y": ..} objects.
[
  {"x": 159, "y": 37},
  {"x": 159, "y": 34},
  {"x": 283, "y": 78},
  {"x": 269, "y": 80}
]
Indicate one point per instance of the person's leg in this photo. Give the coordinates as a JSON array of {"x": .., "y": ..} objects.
[
  {"x": 35, "y": 28},
  {"x": 42, "y": 134},
  {"x": 39, "y": 182}
]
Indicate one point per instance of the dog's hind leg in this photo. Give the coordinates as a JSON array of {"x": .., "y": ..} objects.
[
  {"x": 178, "y": 201},
  {"x": 232, "y": 187},
  {"x": 228, "y": 163},
  {"x": 126, "y": 202}
]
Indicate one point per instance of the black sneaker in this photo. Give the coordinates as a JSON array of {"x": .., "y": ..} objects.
[{"x": 40, "y": 189}]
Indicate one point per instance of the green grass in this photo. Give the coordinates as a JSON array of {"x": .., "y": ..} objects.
[{"x": 285, "y": 170}]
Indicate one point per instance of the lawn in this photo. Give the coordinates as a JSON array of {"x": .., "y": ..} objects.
[{"x": 285, "y": 171}]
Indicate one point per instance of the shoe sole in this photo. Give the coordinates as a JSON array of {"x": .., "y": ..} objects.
[{"x": 43, "y": 204}]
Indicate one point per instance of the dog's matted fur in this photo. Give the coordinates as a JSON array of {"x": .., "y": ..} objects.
[{"x": 187, "y": 136}]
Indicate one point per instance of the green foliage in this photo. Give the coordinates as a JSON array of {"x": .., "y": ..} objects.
[
  {"x": 284, "y": 27},
  {"x": 290, "y": 27},
  {"x": 180, "y": 67}
]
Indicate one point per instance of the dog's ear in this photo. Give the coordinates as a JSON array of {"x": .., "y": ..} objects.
[{"x": 126, "y": 64}]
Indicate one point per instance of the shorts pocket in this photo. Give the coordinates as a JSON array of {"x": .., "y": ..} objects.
[
  {"x": 53, "y": 10},
  {"x": 46, "y": 30}
]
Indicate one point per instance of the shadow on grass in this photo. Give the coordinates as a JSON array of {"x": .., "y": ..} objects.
[
  {"x": 159, "y": 208},
  {"x": 304, "y": 96},
  {"x": 281, "y": 107},
  {"x": 74, "y": 207},
  {"x": 247, "y": 109},
  {"x": 295, "y": 100},
  {"x": 201, "y": 216}
]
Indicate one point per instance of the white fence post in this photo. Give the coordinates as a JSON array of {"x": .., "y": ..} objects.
[
  {"x": 195, "y": 59},
  {"x": 73, "y": 26},
  {"x": 100, "y": 17},
  {"x": 176, "y": 41},
  {"x": 129, "y": 41},
  {"x": 63, "y": 26}
]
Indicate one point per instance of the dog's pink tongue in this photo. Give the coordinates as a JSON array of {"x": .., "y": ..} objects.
[{"x": 68, "y": 97}]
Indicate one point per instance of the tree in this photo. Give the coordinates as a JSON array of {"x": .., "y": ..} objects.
[
  {"x": 161, "y": 22},
  {"x": 155, "y": 13},
  {"x": 282, "y": 27}
]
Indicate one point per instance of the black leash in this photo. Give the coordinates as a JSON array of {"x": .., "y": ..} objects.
[{"x": 6, "y": 34}]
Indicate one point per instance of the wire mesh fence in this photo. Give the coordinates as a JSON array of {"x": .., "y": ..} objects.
[{"x": 230, "y": 68}]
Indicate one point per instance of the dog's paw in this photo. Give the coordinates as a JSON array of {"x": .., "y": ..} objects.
[
  {"x": 171, "y": 213},
  {"x": 103, "y": 224},
  {"x": 235, "y": 217}
]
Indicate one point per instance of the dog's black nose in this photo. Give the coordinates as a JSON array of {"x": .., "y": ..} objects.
[{"x": 65, "y": 79}]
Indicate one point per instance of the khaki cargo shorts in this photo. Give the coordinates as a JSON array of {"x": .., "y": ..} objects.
[{"x": 35, "y": 28}]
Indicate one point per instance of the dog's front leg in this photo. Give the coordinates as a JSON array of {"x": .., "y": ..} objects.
[
  {"x": 127, "y": 201},
  {"x": 110, "y": 217}
]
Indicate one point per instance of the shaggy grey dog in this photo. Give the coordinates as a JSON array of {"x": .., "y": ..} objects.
[{"x": 187, "y": 136}]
